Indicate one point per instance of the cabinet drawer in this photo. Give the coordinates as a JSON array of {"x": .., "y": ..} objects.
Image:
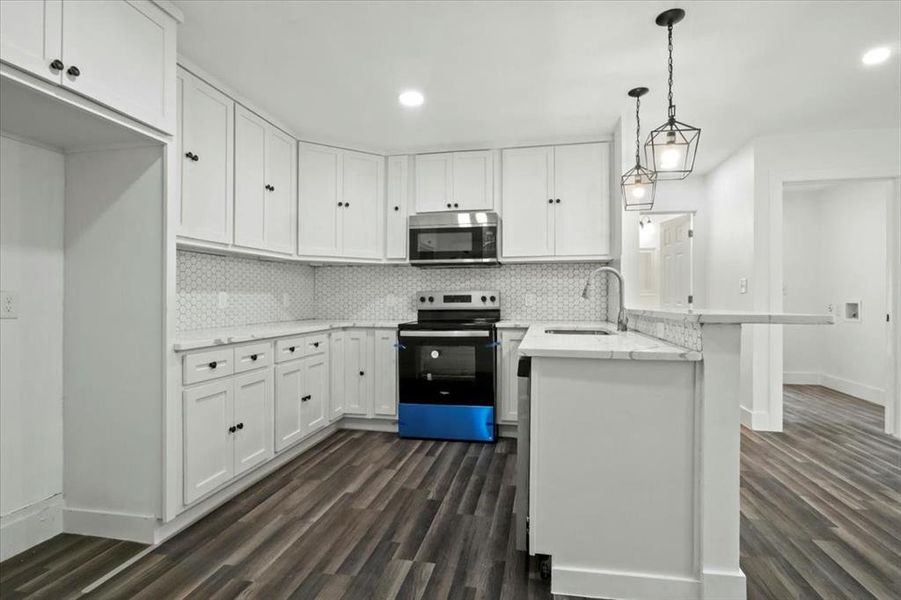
[
  {"x": 203, "y": 366},
  {"x": 298, "y": 347},
  {"x": 253, "y": 356},
  {"x": 315, "y": 344}
]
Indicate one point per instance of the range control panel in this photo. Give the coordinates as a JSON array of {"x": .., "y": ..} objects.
[{"x": 467, "y": 300}]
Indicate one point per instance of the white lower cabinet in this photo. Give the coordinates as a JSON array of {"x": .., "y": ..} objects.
[
  {"x": 357, "y": 389},
  {"x": 384, "y": 373},
  {"x": 508, "y": 383},
  {"x": 336, "y": 398},
  {"x": 253, "y": 419},
  {"x": 301, "y": 398},
  {"x": 208, "y": 442}
]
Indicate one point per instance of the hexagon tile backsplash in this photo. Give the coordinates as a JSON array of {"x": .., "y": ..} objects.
[{"x": 259, "y": 291}]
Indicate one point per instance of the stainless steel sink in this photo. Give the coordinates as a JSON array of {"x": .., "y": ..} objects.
[{"x": 578, "y": 331}]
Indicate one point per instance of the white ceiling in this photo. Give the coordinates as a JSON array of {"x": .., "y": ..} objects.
[{"x": 508, "y": 73}]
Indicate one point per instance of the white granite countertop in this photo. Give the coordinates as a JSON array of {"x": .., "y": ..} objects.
[
  {"x": 619, "y": 345},
  {"x": 217, "y": 336},
  {"x": 733, "y": 316}
]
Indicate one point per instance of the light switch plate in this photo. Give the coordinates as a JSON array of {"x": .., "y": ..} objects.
[
  {"x": 9, "y": 305},
  {"x": 223, "y": 300},
  {"x": 743, "y": 285}
]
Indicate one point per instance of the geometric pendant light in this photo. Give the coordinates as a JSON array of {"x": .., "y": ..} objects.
[
  {"x": 671, "y": 148},
  {"x": 638, "y": 183}
]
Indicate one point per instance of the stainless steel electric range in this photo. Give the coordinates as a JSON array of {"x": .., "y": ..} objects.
[{"x": 447, "y": 367}]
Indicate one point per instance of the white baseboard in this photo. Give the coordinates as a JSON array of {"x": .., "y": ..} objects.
[
  {"x": 29, "y": 526},
  {"x": 720, "y": 585},
  {"x": 366, "y": 424},
  {"x": 114, "y": 525},
  {"x": 845, "y": 386},
  {"x": 595, "y": 583},
  {"x": 756, "y": 420},
  {"x": 507, "y": 430}
]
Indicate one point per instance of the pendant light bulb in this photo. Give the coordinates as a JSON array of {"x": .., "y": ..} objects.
[{"x": 638, "y": 183}]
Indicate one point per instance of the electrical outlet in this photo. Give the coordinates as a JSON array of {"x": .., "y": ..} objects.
[
  {"x": 530, "y": 299},
  {"x": 9, "y": 305},
  {"x": 743, "y": 285},
  {"x": 223, "y": 300},
  {"x": 286, "y": 299}
]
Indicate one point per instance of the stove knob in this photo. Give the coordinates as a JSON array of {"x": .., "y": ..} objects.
[
  {"x": 484, "y": 298},
  {"x": 493, "y": 298},
  {"x": 431, "y": 298},
  {"x": 422, "y": 298}
]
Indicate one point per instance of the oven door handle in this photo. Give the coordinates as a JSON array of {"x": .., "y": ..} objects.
[{"x": 421, "y": 333}]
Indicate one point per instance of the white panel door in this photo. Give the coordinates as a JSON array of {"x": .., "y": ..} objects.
[
  {"x": 396, "y": 219},
  {"x": 31, "y": 35},
  {"x": 315, "y": 400},
  {"x": 434, "y": 184},
  {"x": 207, "y": 161},
  {"x": 581, "y": 183},
  {"x": 281, "y": 197},
  {"x": 357, "y": 399},
  {"x": 288, "y": 392},
  {"x": 250, "y": 179},
  {"x": 253, "y": 419},
  {"x": 319, "y": 195},
  {"x": 337, "y": 375},
  {"x": 473, "y": 181},
  {"x": 208, "y": 443},
  {"x": 362, "y": 212},
  {"x": 675, "y": 267},
  {"x": 509, "y": 384},
  {"x": 527, "y": 197},
  {"x": 122, "y": 54},
  {"x": 385, "y": 373}
]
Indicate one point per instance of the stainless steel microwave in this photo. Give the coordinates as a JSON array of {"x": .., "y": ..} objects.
[{"x": 454, "y": 239}]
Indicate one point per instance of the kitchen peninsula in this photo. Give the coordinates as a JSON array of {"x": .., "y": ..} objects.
[{"x": 634, "y": 455}]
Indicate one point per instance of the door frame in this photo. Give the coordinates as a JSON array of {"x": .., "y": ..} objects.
[
  {"x": 691, "y": 249},
  {"x": 892, "y": 425}
]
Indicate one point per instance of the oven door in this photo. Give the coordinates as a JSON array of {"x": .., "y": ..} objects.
[
  {"x": 453, "y": 245},
  {"x": 447, "y": 367}
]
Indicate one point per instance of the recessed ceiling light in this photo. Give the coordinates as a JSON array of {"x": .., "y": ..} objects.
[
  {"x": 876, "y": 56},
  {"x": 411, "y": 98}
]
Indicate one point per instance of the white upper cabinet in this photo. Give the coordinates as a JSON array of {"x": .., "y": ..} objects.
[
  {"x": 341, "y": 203},
  {"x": 454, "y": 181},
  {"x": 396, "y": 219},
  {"x": 528, "y": 209},
  {"x": 117, "y": 52},
  {"x": 362, "y": 177},
  {"x": 556, "y": 202},
  {"x": 319, "y": 191},
  {"x": 206, "y": 136},
  {"x": 264, "y": 185},
  {"x": 582, "y": 216},
  {"x": 31, "y": 36}
]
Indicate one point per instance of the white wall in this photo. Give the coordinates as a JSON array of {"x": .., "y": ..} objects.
[
  {"x": 31, "y": 353},
  {"x": 834, "y": 242}
]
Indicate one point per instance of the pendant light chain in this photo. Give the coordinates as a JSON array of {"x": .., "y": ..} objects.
[
  {"x": 637, "y": 130},
  {"x": 672, "y": 108}
]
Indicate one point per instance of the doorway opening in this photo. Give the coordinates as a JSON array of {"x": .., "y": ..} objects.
[
  {"x": 837, "y": 258},
  {"x": 665, "y": 260}
]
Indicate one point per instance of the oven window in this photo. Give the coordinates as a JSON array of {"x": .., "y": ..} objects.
[{"x": 436, "y": 362}]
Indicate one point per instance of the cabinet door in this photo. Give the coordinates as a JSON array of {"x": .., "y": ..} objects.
[
  {"x": 281, "y": 197},
  {"x": 337, "y": 360},
  {"x": 207, "y": 135},
  {"x": 315, "y": 400},
  {"x": 473, "y": 181},
  {"x": 509, "y": 382},
  {"x": 527, "y": 192},
  {"x": 434, "y": 185},
  {"x": 385, "y": 373},
  {"x": 362, "y": 193},
  {"x": 319, "y": 191},
  {"x": 581, "y": 182},
  {"x": 357, "y": 399},
  {"x": 398, "y": 185},
  {"x": 250, "y": 179},
  {"x": 208, "y": 444},
  {"x": 253, "y": 419},
  {"x": 288, "y": 391},
  {"x": 31, "y": 35},
  {"x": 125, "y": 55}
]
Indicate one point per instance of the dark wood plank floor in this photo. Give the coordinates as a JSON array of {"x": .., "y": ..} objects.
[{"x": 366, "y": 515}]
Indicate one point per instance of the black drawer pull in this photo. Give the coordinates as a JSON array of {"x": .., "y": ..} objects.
[
  {"x": 240, "y": 425},
  {"x": 253, "y": 357},
  {"x": 292, "y": 348},
  {"x": 305, "y": 398},
  {"x": 232, "y": 429},
  {"x": 315, "y": 344},
  {"x": 213, "y": 364}
]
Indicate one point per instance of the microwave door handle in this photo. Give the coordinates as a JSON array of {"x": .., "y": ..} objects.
[{"x": 444, "y": 333}]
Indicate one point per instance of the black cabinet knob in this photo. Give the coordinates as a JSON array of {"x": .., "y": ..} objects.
[
  {"x": 422, "y": 298},
  {"x": 362, "y": 373},
  {"x": 396, "y": 208},
  {"x": 431, "y": 298},
  {"x": 232, "y": 429},
  {"x": 213, "y": 364},
  {"x": 448, "y": 204},
  {"x": 484, "y": 298},
  {"x": 73, "y": 71},
  {"x": 305, "y": 398},
  {"x": 340, "y": 204},
  {"x": 492, "y": 298},
  {"x": 550, "y": 200},
  {"x": 315, "y": 344},
  {"x": 558, "y": 200},
  {"x": 57, "y": 65},
  {"x": 347, "y": 205},
  {"x": 291, "y": 349},
  {"x": 240, "y": 425},
  {"x": 456, "y": 205},
  {"x": 253, "y": 357}
]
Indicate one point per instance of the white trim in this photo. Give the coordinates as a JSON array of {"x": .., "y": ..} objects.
[
  {"x": 802, "y": 378},
  {"x": 508, "y": 430},
  {"x": 115, "y": 525},
  {"x": 595, "y": 583},
  {"x": 31, "y": 525},
  {"x": 857, "y": 389},
  {"x": 367, "y": 424},
  {"x": 756, "y": 420}
]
